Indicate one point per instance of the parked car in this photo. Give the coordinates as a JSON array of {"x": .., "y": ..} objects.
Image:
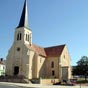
[{"x": 66, "y": 83}]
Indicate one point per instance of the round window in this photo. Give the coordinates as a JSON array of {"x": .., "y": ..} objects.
[{"x": 18, "y": 49}]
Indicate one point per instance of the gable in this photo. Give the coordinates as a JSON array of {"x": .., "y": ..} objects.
[{"x": 65, "y": 57}]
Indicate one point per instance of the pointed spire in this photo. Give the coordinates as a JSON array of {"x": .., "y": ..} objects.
[{"x": 24, "y": 17}]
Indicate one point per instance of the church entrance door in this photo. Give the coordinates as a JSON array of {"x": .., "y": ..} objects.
[
  {"x": 64, "y": 73},
  {"x": 16, "y": 70}
]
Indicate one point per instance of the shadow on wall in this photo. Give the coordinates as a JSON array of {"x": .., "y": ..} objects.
[{"x": 43, "y": 71}]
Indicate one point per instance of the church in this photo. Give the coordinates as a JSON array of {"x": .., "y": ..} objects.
[{"x": 31, "y": 61}]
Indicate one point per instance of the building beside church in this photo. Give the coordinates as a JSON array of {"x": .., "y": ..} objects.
[
  {"x": 2, "y": 67},
  {"x": 31, "y": 61}
]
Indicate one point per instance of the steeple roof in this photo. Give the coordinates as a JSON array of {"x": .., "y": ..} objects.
[{"x": 24, "y": 17}]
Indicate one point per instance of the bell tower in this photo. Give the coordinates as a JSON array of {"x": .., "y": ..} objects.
[
  {"x": 17, "y": 59},
  {"x": 22, "y": 33}
]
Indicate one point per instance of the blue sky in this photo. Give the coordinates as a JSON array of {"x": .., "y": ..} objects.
[{"x": 53, "y": 22}]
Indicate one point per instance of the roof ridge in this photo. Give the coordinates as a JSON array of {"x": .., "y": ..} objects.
[
  {"x": 55, "y": 46},
  {"x": 49, "y": 51},
  {"x": 38, "y": 46}
]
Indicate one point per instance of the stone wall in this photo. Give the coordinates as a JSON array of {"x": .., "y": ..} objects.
[{"x": 49, "y": 81}]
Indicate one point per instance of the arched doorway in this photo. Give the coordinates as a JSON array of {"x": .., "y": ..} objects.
[{"x": 16, "y": 70}]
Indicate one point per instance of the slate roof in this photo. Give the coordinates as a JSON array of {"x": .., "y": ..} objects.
[
  {"x": 47, "y": 52},
  {"x": 24, "y": 17}
]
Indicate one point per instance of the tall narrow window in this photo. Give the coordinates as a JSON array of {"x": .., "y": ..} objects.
[
  {"x": 53, "y": 72},
  {"x": 28, "y": 37},
  {"x": 52, "y": 64},
  {"x": 20, "y": 36}
]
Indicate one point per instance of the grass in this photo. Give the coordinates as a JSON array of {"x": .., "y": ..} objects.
[{"x": 82, "y": 80}]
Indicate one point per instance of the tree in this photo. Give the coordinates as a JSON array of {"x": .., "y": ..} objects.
[
  {"x": 75, "y": 70},
  {"x": 82, "y": 67}
]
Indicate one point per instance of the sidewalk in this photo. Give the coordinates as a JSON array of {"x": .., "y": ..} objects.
[{"x": 40, "y": 85}]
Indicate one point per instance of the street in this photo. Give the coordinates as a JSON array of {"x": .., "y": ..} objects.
[
  {"x": 21, "y": 85},
  {"x": 8, "y": 86}
]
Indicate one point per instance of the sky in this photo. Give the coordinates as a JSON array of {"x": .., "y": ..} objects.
[{"x": 53, "y": 22}]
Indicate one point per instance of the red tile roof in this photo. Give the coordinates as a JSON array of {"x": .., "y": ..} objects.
[
  {"x": 47, "y": 52},
  {"x": 54, "y": 51},
  {"x": 37, "y": 49},
  {"x": 2, "y": 62}
]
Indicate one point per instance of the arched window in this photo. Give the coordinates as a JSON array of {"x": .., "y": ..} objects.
[
  {"x": 19, "y": 35},
  {"x": 53, "y": 72},
  {"x": 30, "y": 37},
  {"x": 26, "y": 37},
  {"x": 52, "y": 64}
]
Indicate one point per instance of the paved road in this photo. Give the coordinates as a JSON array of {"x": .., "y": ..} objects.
[
  {"x": 20, "y": 85},
  {"x": 9, "y": 86}
]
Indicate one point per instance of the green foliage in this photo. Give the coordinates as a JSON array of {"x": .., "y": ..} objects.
[
  {"x": 82, "y": 67},
  {"x": 82, "y": 81}
]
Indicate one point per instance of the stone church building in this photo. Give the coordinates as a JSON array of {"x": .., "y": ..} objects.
[{"x": 31, "y": 61}]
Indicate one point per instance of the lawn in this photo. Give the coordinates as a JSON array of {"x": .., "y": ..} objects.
[{"x": 82, "y": 80}]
